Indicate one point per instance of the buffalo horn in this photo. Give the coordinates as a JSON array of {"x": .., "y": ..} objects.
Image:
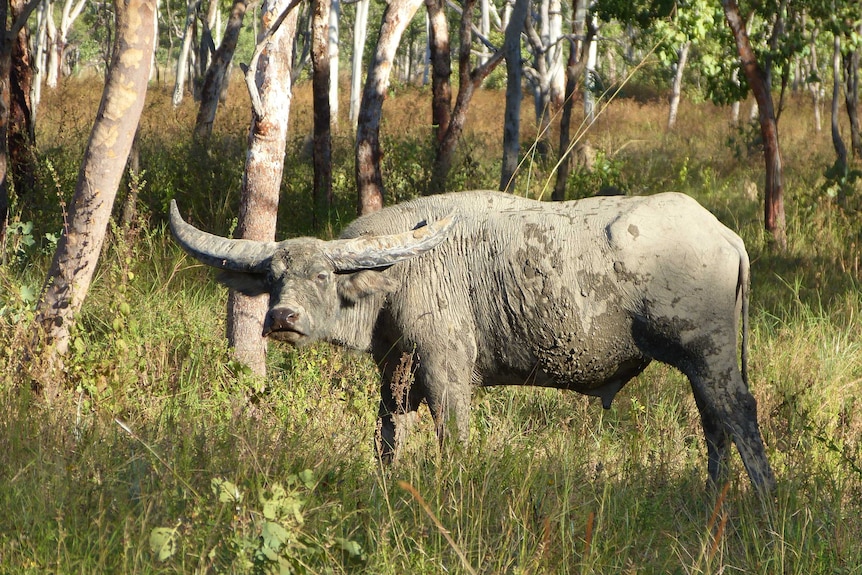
[
  {"x": 370, "y": 252},
  {"x": 219, "y": 252}
]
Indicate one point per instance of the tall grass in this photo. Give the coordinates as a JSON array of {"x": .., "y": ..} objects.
[{"x": 162, "y": 454}]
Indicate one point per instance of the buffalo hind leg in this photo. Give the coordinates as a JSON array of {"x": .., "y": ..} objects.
[
  {"x": 728, "y": 409},
  {"x": 716, "y": 441},
  {"x": 447, "y": 381}
]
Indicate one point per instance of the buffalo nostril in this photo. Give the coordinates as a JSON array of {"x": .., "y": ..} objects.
[{"x": 282, "y": 319}]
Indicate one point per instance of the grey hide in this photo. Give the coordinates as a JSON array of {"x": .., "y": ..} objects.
[{"x": 575, "y": 295}]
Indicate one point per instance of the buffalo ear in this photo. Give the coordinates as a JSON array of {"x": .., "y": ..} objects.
[
  {"x": 357, "y": 285},
  {"x": 245, "y": 283}
]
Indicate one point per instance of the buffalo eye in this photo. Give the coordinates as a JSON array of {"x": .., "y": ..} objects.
[{"x": 321, "y": 277}]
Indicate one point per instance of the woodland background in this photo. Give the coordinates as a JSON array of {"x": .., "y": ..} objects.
[{"x": 149, "y": 446}]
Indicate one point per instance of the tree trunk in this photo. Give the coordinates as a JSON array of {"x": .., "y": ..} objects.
[
  {"x": 185, "y": 53},
  {"x": 574, "y": 70},
  {"x": 360, "y": 32},
  {"x": 590, "y": 71},
  {"x": 841, "y": 163},
  {"x": 322, "y": 186},
  {"x": 774, "y": 196},
  {"x": 369, "y": 178},
  {"x": 676, "y": 90},
  {"x": 837, "y": 142},
  {"x": 541, "y": 81},
  {"x": 261, "y": 181},
  {"x": 39, "y": 57},
  {"x": 814, "y": 87},
  {"x": 21, "y": 131},
  {"x": 468, "y": 82},
  {"x": 216, "y": 76},
  {"x": 207, "y": 45},
  {"x": 441, "y": 67},
  {"x": 512, "y": 118},
  {"x": 851, "y": 98},
  {"x": 104, "y": 161},
  {"x": 71, "y": 11}
]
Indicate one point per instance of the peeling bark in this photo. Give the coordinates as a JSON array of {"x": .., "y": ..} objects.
[
  {"x": 78, "y": 249},
  {"x": 369, "y": 177},
  {"x": 261, "y": 181}
]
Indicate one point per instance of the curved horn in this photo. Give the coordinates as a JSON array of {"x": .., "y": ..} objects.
[
  {"x": 219, "y": 252},
  {"x": 382, "y": 251}
]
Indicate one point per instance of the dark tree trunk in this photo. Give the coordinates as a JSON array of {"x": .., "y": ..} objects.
[
  {"x": 757, "y": 80},
  {"x": 441, "y": 67},
  {"x": 468, "y": 82},
  {"x": 322, "y": 186},
  {"x": 574, "y": 70},
  {"x": 837, "y": 142},
  {"x": 841, "y": 166},
  {"x": 851, "y": 98},
  {"x": 5, "y": 103},
  {"x": 514, "y": 71},
  {"x": 21, "y": 131},
  {"x": 369, "y": 177},
  {"x": 15, "y": 120},
  {"x": 216, "y": 75}
]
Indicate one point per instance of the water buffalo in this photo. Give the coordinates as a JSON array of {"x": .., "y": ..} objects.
[{"x": 489, "y": 288}]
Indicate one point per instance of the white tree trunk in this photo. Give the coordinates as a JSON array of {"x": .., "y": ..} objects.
[
  {"x": 556, "y": 70},
  {"x": 185, "y": 53},
  {"x": 676, "y": 90},
  {"x": 484, "y": 28},
  {"x": 815, "y": 87},
  {"x": 39, "y": 57},
  {"x": 589, "y": 74},
  {"x": 360, "y": 31},
  {"x": 52, "y": 60},
  {"x": 71, "y": 11}
]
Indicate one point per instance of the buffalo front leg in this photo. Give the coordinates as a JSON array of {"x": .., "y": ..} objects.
[{"x": 399, "y": 402}]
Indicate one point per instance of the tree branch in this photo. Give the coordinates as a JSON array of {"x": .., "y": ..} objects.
[{"x": 251, "y": 70}]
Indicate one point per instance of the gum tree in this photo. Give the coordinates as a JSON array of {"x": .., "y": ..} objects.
[
  {"x": 269, "y": 80},
  {"x": 369, "y": 177},
  {"x": 77, "y": 254}
]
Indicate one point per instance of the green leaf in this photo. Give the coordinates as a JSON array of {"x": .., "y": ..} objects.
[
  {"x": 350, "y": 547},
  {"x": 27, "y": 293},
  {"x": 163, "y": 542},
  {"x": 226, "y": 491},
  {"x": 274, "y": 535},
  {"x": 307, "y": 478},
  {"x": 79, "y": 345}
]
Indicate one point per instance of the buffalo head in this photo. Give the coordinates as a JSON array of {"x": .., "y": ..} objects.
[{"x": 309, "y": 281}]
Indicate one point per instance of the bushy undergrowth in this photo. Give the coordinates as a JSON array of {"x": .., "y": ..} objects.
[{"x": 164, "y": 455}]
